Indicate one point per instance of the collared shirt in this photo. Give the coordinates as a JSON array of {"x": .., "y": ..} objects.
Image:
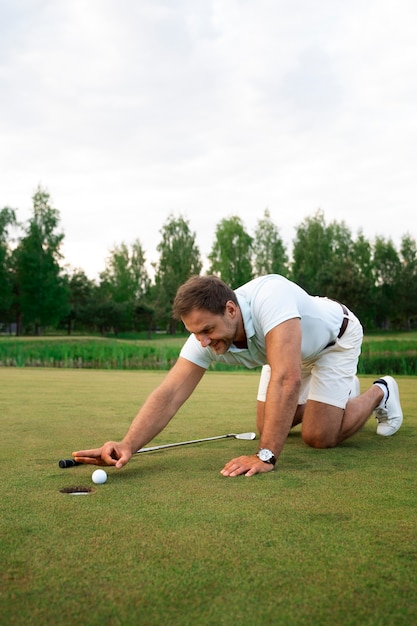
[{"x": 265, "y": 303}]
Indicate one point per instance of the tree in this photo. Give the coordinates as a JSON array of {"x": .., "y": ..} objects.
[
  {"x": 7, "y": 219},
  {"x": 42, "y": 291},
  {"x": 126, "y": 282},
  {"x": 105, "y": 314},
  {"x": 230, "y": 256},
  {"x": 125, "y": 276},
  {"x": 407, "y": 282},
  {"x": 329, "y": 262},
  {"x": 387, "y": 266},
  {"x": 81, "y": 293},
  {"x": 312, "y": 254},
  {"x": 362, "y": 294},
  {"x": 179, "y": 259},
  {"x": 270, "y": 256},
  {"x": 338, "y": 272}
]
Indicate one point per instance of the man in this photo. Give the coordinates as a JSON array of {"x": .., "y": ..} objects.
[{"x": 310, "y": 348}]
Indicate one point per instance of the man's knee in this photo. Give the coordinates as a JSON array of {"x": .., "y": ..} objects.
[
  {"x": 317, "y": 437},
  {"x": 321, "y": 425},
  {"x": 319, "y": 440}
]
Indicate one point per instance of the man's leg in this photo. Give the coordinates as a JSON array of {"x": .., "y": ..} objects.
[
  {"x": 325, "y": 426},
  {"x": 260, "y": 414},
  {"x": 261, "y": 398}
]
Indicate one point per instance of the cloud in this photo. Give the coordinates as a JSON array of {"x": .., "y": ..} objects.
[{"x": 128, "y": 111}]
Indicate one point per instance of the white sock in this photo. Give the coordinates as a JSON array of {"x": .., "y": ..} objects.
[{"x": 385, "y": 390}]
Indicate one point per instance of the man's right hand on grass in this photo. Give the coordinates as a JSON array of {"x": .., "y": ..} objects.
[{"x": 111, "y": 453}]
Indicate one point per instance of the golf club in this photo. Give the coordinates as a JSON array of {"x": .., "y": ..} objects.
[{"x": 64, "y": 463}]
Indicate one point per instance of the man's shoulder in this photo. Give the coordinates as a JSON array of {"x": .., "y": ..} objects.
[
  {"x": 265, "y": 285},
  {"x": 261, "y": 281}
]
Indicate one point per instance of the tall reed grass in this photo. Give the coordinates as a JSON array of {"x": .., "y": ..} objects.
[
  {"x": 87, "y": 353},
  {"x": 394, "y": 356},
  {"x": 379, "y": 355}
]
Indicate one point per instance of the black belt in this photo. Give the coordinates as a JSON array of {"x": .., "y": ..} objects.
[
  {"x": 343, "y": 327},
  {"x": 345, "y": 321}
]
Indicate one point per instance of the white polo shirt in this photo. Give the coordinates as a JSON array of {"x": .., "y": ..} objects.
[{"x": 266, "y": 302}]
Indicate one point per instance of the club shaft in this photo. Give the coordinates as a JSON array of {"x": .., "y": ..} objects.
[
  {"x": 64, "y": 463},
  {"x": 181, "y": 443}
]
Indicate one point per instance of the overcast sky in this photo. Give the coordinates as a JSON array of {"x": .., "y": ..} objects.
[{"x": 128, "y": 111}]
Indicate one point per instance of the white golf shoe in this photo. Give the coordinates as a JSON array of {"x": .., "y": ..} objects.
[{"x": 389, "y": 414}]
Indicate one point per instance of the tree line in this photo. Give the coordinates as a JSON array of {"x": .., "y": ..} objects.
[{"x": 38, "y": 292}]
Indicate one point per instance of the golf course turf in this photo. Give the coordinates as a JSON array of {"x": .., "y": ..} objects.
[{"x": 328, "y": 538}]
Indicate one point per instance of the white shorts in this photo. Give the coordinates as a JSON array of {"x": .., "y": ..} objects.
[{"x": 328, "y": 377}]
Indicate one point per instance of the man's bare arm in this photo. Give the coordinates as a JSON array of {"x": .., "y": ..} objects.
[
  {"x": 159, "y": 408},
  {"x": 283, "y": 346}
]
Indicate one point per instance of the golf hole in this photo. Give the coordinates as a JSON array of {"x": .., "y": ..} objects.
[{"x": 79, "y": 490}]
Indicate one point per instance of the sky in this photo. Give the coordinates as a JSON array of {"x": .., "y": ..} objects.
[{"x": 130, "y": 111}]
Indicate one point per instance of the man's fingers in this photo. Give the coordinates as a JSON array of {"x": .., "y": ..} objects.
[
  {"x": 89, "y": 457},
  {"x": 109, "y": 454},
  {"x": 92, "y": 460},
  {"x": 247, "y": 465},
  {"x": 237, "y": 466},
  {"x": 123, "y": 459}
]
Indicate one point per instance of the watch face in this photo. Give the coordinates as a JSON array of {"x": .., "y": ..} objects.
[{"x": 265, "y": 455}]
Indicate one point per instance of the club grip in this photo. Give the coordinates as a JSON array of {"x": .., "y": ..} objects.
[{"x": 63, "y": 463}]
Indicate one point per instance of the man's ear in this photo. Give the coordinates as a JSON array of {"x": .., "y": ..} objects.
[{"x": 231, "y": 309}]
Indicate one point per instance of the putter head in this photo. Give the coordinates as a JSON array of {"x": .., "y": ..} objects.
[{"x": 247, "y": 436}]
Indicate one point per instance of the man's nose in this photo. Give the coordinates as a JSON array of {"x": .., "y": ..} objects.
[{"x": 204, "y": 340}]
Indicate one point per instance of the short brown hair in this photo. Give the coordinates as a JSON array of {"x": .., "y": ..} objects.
[{"x": 202, "y": 292}]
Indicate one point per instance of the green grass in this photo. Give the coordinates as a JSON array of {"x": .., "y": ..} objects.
[{"x": 328, "y": 538}]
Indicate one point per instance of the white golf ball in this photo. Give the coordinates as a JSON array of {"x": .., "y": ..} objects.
[{"x": 99, "y": 477}]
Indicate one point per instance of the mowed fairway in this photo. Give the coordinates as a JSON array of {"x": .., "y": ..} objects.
[{"x": 329, "y": 538}]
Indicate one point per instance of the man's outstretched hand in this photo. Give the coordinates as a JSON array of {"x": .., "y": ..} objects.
[
  {"x": 112, "y": 453},
  {"x": 247, "y": 465}
]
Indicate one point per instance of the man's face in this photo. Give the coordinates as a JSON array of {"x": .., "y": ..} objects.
[{"x": 217, "y": 332}]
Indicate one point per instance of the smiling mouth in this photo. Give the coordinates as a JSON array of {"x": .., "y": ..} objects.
[{"x": 220, "y": 346}]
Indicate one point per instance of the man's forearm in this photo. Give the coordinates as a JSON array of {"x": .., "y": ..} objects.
[
  {"x": 280, "y": 406},
  {"x": 163, "y": 403},
  {"x": 151, "y": 419}
]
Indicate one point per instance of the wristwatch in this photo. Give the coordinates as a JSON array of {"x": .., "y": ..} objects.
[{"x": 267, "y": 456}]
